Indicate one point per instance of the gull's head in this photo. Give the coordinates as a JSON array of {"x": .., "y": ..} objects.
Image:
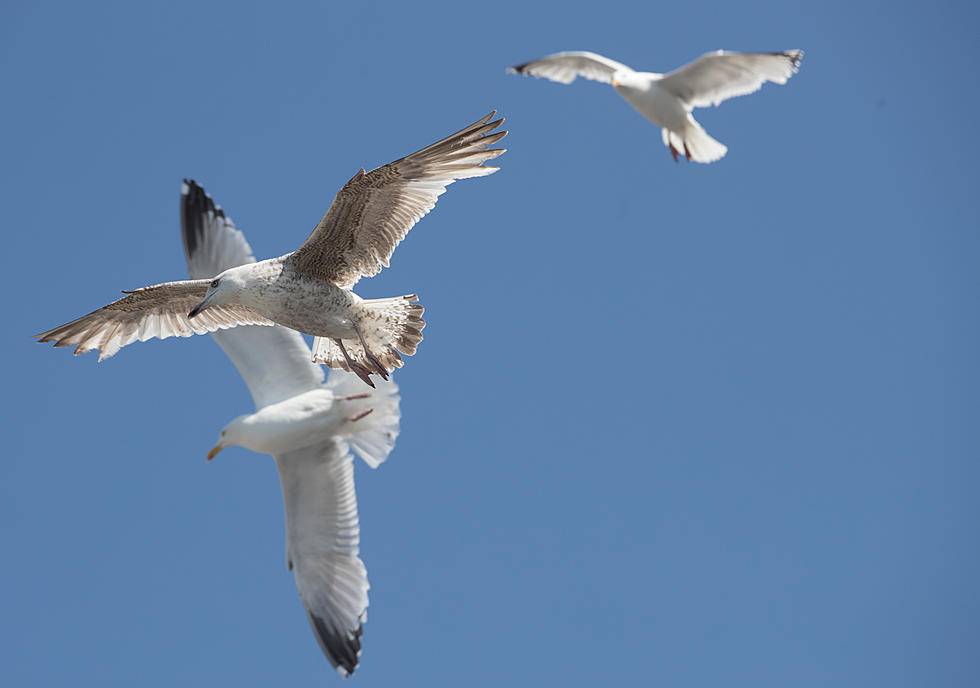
[
  {"x": 220, "y": 291},
  {"x": 230, "y": 437},
  {"x": 622, "y": 78}
]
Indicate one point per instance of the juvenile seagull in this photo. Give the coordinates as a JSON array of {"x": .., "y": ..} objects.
[
  {"x": 309, "y": 290},
  {"x": 309, "y": 428},
  {"x": 667, "y": 99}
]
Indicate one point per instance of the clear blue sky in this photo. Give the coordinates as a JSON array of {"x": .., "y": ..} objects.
[{"x": 671, "y": 424}]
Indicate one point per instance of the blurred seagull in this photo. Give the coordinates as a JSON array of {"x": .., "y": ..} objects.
[
  {"x": 309, "y": 428},
  {"x": 667, "y": 99},
  {"x": 309, "y": 290}
]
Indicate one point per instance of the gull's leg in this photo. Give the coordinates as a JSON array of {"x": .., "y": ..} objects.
[
  {"x": 687, "y": 153},
  {"x": 359, "y": 370},
  {"x": 673, "y": 151},
  {"x": 382, "y": 371},
  {"x": 352, "y": 397},
  {"x": 357, "y": 416}
]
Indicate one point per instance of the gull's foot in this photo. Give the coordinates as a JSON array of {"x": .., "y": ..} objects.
[
  {"x": 372, "y": 359},
  {"x": 352, "y": 397},
  {"x": 357, "y": 416},
  {"x": 362, "y": 372},
  {"x": 687, "y": 153},
  {"x": 673, "y": 151},
  {"x": 356, "y": 368}
]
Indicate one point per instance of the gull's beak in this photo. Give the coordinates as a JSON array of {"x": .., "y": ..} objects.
[
  {"x": 214, "y": 451},
  {"x": 201, "y": 306},
  {"x": 615, "y": 82}
]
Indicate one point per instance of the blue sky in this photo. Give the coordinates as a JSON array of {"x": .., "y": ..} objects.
[{"x": 671, "y": 424}]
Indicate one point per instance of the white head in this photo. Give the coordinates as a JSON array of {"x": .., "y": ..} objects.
[
  {"x": 232, "y": 435},
  {"x": 223, "y": 289},
  {"x": 624, "y": 78}
]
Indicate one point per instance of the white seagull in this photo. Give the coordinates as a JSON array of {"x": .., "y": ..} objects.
[
  {"x": 667, "y": 99},
  {"x": 309, "y": 428},
  {"x": 309, "y": 290}
]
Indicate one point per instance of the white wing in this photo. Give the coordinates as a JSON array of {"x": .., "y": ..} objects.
[
  {"x": 721, "y": 75},
  {"x": 322, "y": 538},
  {"x": 564, "y": 67},
  {"x": 275, "y": 362}
]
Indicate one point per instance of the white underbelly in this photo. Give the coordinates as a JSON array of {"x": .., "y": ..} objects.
[{"x": 658, "y": 105}]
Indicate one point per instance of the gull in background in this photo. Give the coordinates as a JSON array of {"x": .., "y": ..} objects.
[
  {"x": 309, "y": 428},
  {"x": 667, "y": 99},
  {"x": 309, "y": 290}
]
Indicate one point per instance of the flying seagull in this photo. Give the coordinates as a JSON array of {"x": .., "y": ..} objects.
[
  {"x": 309, "y": 290},
  {"x": 667, "y": 99},
  {"x": 309, "y": 428}
]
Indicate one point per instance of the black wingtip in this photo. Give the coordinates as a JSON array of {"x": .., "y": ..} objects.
[
  {"x": 341, "y": 649},
  {"x": 195, "y": 204}
]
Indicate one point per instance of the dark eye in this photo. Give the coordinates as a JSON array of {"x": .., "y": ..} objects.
[{"x": 214, "y": 284}]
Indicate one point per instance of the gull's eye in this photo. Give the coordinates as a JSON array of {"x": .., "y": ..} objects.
[{"x": 214, "y": 284}]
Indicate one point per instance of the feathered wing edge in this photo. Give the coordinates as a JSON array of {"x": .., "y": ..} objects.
[{"x": 159, "y": 311}]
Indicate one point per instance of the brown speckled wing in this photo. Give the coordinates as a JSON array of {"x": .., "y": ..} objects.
[
  {"x": 158, "y": 311},
  {"x": 373, "y": 212}
]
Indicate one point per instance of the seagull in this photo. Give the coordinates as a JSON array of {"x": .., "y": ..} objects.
[
  {"x": 309, "y": 290},
  {"x": 667, "y": 99},
  {"x": 309, "y": 427}
]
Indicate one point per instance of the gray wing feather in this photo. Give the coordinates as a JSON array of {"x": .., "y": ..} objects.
[
  {"x": 322, "y": 541},
  {"x": 564, "y": 67},
  {"x": 721, "y": 75}
]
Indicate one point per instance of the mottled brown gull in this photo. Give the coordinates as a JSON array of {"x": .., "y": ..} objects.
[
  {"x": 667, "y": 99},
  {"x": 309, "y": 290},
  {"x": 310, "y": 428}
]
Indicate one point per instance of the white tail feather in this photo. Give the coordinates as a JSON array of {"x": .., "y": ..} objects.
[
  {"x": 371, "y": 436},
  {"x": 696, "y": 141}
]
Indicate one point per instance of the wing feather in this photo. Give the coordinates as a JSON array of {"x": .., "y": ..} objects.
[
  {"x": 718, "y": 76},
  {"x": 322, "y": 541},
  {"x": 157, "y": 311},
  {"x": 565, "y": 66},
  {"x": 374, "y": 211}
]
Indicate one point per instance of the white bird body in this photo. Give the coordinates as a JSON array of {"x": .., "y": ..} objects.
[
  {"x": 310, "y": 427},
  {"x": 668, "y": 99},
  {"x": 660, "y": 106},
  {"x": 295, "y": 423}
]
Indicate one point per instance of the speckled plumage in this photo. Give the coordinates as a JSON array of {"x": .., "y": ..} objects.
[{"x": 309, "y": 290}]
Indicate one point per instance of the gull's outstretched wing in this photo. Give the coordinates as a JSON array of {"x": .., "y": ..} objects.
[
  {"x": 564, "y": 67},
  {"x": 322, "y": 538},
  {"x": 158, "y": 311},
  {"x": 721, "y": 75},
  {"x": 275, "y": 362},
  {"x": 373, "y": 212}
]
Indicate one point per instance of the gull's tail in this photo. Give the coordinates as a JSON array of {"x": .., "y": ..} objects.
[
  {"x": 695, "y": 142},
  {"x": 389, "y": 326},
  {"x": 373, "y": 415}
]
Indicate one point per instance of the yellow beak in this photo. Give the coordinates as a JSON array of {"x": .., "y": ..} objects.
[
  {"x": 615, "y": 83},
  {"x": 214, "y": 451}
]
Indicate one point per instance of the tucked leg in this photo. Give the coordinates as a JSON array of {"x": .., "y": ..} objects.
[
  {"x": 687, "y": 152},
  {"x": 361, "y": 371},
  {"x": 673, "y": 151},
  {"x": 382, "y": 371}
]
